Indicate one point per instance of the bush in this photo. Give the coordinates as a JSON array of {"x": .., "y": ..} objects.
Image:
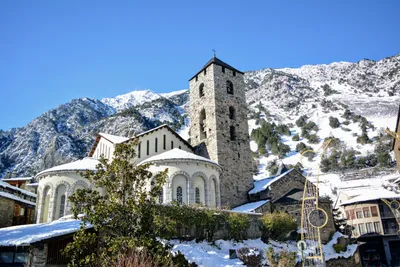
[
  {"x": 301, "y": 121},
  {"x": 300, "y": 147},
  {"x": 334, "y": 122},
  {"x": 363, "y": 139},
  {"x": 238, "y": 225},
  {"x": 338, "y": 248},
  {"x": 296, "y": 137},
  {"x": 272, "y": 167},
  {"x": 251, "y": 257},
  {"x": 313, "y": 139},
  {"x": 277, "y": 225},
  {"x": 281, "y": 259}
]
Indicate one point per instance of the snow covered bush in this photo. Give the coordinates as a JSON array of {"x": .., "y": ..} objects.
[
  {"x": 277, "y": 225},
  {"x": 251, "y": 257}
]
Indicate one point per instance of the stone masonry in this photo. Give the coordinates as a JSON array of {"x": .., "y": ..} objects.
[
  {"x": 215, "y": 104},
  {"x": 6, "y": 211}
]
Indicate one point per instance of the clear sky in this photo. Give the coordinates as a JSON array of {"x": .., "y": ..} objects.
[{"x": 54, "y": 51}]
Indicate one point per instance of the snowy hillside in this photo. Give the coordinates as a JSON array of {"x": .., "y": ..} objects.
[
  {"x": 128, "y": 100},
  {"x": 363, "y": 97}
]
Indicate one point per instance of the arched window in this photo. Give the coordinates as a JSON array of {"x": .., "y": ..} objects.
[
  {"x": 179, "y": 197},
  {"x": 203, "y": 131},
  {"x": 233, "y": 133},
  {"x": 62, "y": 206},
  {"x": 148, "y": 147},
  {"x": 201, "y": 90},
  {"x": 232, "y": 113},
  {"x": 229, "y": 87},
  {"x": 156, "y": 145}
]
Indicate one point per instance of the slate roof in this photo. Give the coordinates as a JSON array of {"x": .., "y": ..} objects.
[{"x": 218, "y": 62}]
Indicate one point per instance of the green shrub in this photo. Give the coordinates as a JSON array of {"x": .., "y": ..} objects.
[
  {"x": 277, "y": 225},
  {"x": 301, "y": 121},
  {"x": 296, "y": 137},
  {"x": 313, "y": 139},
  {"x": 338, "y": 248},
  {"x": 238, "y": 225},
  {"x": 334, "y": 122}
]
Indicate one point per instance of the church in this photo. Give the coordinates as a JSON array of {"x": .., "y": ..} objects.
[{"x": 213, "y": 169}]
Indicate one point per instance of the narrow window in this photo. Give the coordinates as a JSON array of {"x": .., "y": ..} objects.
[
  {"x": 223, "y": 69},
  {"x": 238, "y": 155},
  {"x": 180, "y": 147},
  {"x": 109, "y": 153},
  {"x": 377, "y": 226},
  {"x": 203, "y": 131},
  {"x": 197, "y": 195},
  {"x": 179, "y": 197},
  {"x": 201, "y": 90},
  {"x": 62, "y": 206},
  {"x": 161, "y": 197},
  {"x": 229, "y": 87},
  {"x": 232, "y": 113},
  {"x": 165, "y": 142},
  {"x": 156, "y": 146},
  {"x": 148, "y": 147},
  {"x": 139, "y": 149},
  {"x": 197, "y": 78},
  {"x": 233, "y": 133},
  {"x": 172, "y": 144},
  {"x": 234, "y": 73},
  {"x": 205, "y": 71},
  {"x": 374, "y": 211}
]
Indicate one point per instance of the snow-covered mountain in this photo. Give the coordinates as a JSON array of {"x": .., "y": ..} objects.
[
  {"x": 128, "y": 100},
  {"x": 366, "y": 88}
]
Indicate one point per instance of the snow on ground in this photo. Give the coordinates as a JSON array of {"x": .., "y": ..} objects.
[
  {"x": 208, "y": 255},
  {"x": 26, "y": 234}
]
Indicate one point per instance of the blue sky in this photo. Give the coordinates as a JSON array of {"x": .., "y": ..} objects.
[{"x": 54, "y": 51}]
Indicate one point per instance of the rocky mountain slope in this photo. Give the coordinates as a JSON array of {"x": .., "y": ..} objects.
[{"x": 366, "y": 88}]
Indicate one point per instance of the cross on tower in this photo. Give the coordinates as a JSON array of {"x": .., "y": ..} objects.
[{"x": 215, "y": 52}]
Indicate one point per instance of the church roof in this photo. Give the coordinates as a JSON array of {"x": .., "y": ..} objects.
[
  {"x": 178, "y": 154},
  {"x": 79, "y": 165},
  {"x": 115, "y": 139},
  {"x": 263, "y": 184},
  {"x": 120, "y": 139},
  {"x": 250, "y": 207},
  {"x": 218, "y": 62}
]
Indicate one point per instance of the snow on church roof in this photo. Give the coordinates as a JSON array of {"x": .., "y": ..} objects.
[
  {"x": 79, "y": 165},
  {"x": 250, "y": 207},
  {"x": 178, "y": 154},
  {"x": 115, "y": 139},
  {"x": 263, "y": 184}
]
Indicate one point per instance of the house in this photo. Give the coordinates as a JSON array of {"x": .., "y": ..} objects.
[
  {"x": 27, "y": 183},
  {"x": 17, "y": 206},
  {"x": 373, "y": 215},
  {"x": 284, "y": 192}
]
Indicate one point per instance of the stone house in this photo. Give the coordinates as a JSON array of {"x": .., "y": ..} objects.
[
  {"x": 284, "y": 192},
  {"x": 17, "y": 206}
]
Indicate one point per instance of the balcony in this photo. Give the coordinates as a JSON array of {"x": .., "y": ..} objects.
[{"x": 390, "y": 230}]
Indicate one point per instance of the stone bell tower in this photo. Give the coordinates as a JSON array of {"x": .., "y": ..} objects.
[{"x": 219, "y": 128}]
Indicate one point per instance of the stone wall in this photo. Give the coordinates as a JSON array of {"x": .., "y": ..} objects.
[
  {"x": 37, "y": 256},
  {"x": 234, "y": 156},
  {"x": 6, "y": 211}
]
